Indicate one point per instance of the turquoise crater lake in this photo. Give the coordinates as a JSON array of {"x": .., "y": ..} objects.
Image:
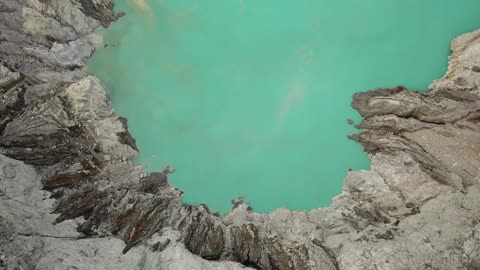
[{"x": 251, "y": 98}]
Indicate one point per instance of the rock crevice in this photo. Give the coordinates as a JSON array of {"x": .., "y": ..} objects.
[{"x": 71, "y": 196}]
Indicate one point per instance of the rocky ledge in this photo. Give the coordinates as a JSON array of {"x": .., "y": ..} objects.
[{"x": 70, "y": 197}]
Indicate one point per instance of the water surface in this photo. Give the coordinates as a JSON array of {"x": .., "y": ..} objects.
[{"x": 251, "y": 98}]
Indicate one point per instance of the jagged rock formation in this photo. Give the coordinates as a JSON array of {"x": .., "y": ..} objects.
[{"x": 70, "y": 196}]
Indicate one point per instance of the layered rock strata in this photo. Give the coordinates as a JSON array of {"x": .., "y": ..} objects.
[{"x": 70, "y": 197}]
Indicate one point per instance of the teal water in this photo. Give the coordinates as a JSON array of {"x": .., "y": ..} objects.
[{"x": 251, "y": 98}]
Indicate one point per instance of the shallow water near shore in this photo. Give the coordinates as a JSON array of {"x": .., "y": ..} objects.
[{"x": 251, "y": 98}]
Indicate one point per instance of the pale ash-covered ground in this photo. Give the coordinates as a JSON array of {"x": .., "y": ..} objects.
[{"x": 71, "y": 198}]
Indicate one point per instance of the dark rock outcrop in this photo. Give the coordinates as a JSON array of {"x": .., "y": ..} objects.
[{"x": 66, "y": 160}]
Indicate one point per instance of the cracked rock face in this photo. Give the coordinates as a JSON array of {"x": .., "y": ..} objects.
[{"x": 70, "y": 197}]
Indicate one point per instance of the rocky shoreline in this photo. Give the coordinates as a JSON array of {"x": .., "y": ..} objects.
[{"x": 70, "y": 197}]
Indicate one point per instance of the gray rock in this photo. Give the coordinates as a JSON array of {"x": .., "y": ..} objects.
[
  {"x": 30, "y": 240},
  {"x": 7, "y": 77},
  {"x": 68, "y": 12},
  {"x": 71, "y": 197},
  {"x": 36, "y": 23}
]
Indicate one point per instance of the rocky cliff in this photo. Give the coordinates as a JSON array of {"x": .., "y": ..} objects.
[{"x": 70, "y": 197}]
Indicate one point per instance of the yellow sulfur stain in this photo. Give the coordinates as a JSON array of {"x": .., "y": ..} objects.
[{"x": 142, "y": 5}]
